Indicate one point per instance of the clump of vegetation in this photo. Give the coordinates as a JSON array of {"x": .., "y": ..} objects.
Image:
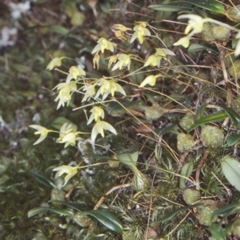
[{"x": 144, "y": 141}]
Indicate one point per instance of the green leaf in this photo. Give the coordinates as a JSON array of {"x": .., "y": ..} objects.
[
  {"x": 173, "y": 6},
  {"x": 105, "y": 7},
  {"x": 59, "y": 29},
  {"x": 227, "y": 210},
  {"x": 115, "y": 109},
  {"x": 61, "y": 212},
  {"x": 211, "y": 5},
  {"x": 76, "y": 206},
  {"x": 107, "y": 219},
  {"x": 42, "y": 179},
  {"x": 231, "y": 170},
  {"x": 4, "y": 178},
  {"x": 194, "y": 47},
  {"x": 59, "y": 121},
  {"x": 21, "y": 68},
  {"x": 36, "y": 211},
  {"x": 170, "y": 215},
  {"x": 217, "y": 231},
  {"x": 200, "y": 111},
  {"x": 73, "y": 40},
  {"x": 129, "y": 159},
  {"x": 169, "y": 129},
  {"x": 119, "y": 108},
  {"x": 213, "y": 117},
  {"x": 235, "y": 117},
  {"x": 229, "y": 227},
  {"x": 167, "y": 7},
  {"x": 186, "y": 172},
  {"x": 233, "y": 139}
]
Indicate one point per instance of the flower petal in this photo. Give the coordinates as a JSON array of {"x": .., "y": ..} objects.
[
  {"x": 55, "y": 62},
  {"x": 69, "y": 170},
  {"x": 151, "y": 80},
  {"x": 42, "y": 131},
  {"x": 153, "y": 60},
  {"x": 109, "y": 127},
  {"x": 184, "y": 41}
]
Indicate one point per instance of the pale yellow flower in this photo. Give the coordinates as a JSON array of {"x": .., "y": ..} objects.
[
  {"x": 69, "y": 139},
  {"x": 68, "y": 170},
  {"x": 89, "y": 92},
  {"x": 120, "y": 27},
  {"x": 115, "y": 87},
  {"x": 99, "y": 128},
  {"x": 74, "y": 73},
  {"x": 112, "y": 60},
  {"x": 151, "y": 80},
  {"x": 124, "y": 60},
  {"x": 64, "y": 97},
  {"x": 67, "y": 135},
  {"x": 103, "y": 44},
  {"x": 120, "y": 35},
  {"x": 108, "y": 87},
  {"x": 140, "y": 32},
  {"x": 120, "y": 31},
  {"x": 195, "y": 23},
  {"x": 42, "y": 131},
  {"x": 104, "y": 87},
  {"x": 65, "y": 93},
  {"x": 55, "y": 62},
  {"x": 184, "y": 41},
  {"x": 155, "y": 59},
  {"x": 97, "y": 113},
  {"x": 65, "y": 129},
  {"x": 163, "y": 52},
  {"x": 71, "y": 85}
]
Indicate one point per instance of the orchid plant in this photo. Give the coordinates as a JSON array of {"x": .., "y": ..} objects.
[
  {"x": 94, "y": 93},
  {"x": 97, "y": 91}
]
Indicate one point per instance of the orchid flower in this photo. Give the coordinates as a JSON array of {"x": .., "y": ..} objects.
[
  {"x": 184, "y": 41},
  {"x": 42, "y": 131},
  {"x": 74, "y": 73},
  {"x": 108, "y": 87},
  {"x": 155, "y": 59},
  {"x": 97, "y": 113},
  {"x": 65, "y": 93},
  {"x": 124, "y": 60},
  {"x": 151, "y": 80},
  {"x": 103, "y": 44},
  {"x": 55, "y": 62},
  {"x": 68, "y": 170},
  {"x": 99, "y": 128},
  {"x": 140, "y": 32}
]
